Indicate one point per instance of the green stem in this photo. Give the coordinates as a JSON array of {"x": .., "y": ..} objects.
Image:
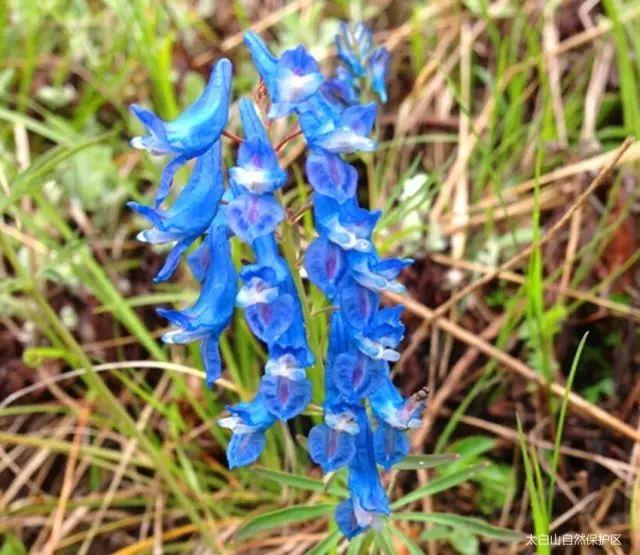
[{"x": 289, "y": 251}]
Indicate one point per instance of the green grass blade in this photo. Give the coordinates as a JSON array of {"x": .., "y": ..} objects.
[
  {"x": 301, "y": 482},
  {"x": 281, "y": 517},
  {"x": 417, "y": 462},
  {"x": 561, "y": 419},
  {"x": 326, "y": 545},
  {"x": 439, "y": 484}
]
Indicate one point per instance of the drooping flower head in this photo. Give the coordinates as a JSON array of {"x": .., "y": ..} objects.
[{"x": 193, "y": 132}]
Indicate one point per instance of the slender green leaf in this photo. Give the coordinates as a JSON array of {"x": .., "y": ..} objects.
[
  {"x": 301, "y": 482},
  {"x": 383, "y": 540},
  {"x": 43, "y": 167},
  {"x": 281, "y": 517},
  {"x": 326, "y": 545},
  {"x": 416, "y": 462},
  {"x": 561, "y": 418},
  {"x": 439, "y": 484}
]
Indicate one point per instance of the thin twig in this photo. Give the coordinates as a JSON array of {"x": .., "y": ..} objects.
[
  {"x": 576, "y": 402},
  {"x": 551, "y": 232},
  {"x": 287, "y": 139}
]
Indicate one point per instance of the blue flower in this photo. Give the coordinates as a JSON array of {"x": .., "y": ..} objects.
[
  {"x": 258, "y": 170},
  {"x": 342, "y": 261},
  {"x": 391, "y": 408},
  {"x": 380, "y": 336},
  {"x": 285, "y": 397},
  {"x": 391, "y": 445},
  {"x": 266, "y": 63},
  {"x": 331, "y": 176},
  {"x": 353, "y": 46},
  {"x": 360, "y": 61},
  {"x": 248, "y": 422},
  {"x": 375, "y": 274},
  {"x": 260, "y": 286},
  {"x": 290, "y": 79},
  {"x": 356, "y": 375},
  {"x": 191, "y": 213},
  {"x": 341, "y": 89},
  {"x": 269, "y": 320},
  {"x": 211, "y": 313},
  {"x": 193, "y": 132},
  {"x": 346, "y": 225},
  {"x": 332, "y": 444},
  {"x": 325, "y": 264},
  {"x": 378, "y": 65},
  {"x": 368, "y": 502},
  {"x": 337, "y": 131},
  {"x": 357, "y": 304},
  {"x": 252, "y": 216}
]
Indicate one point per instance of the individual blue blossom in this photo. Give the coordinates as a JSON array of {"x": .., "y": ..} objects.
[
  {"x": 193, "y": 132},
  {"x": 290, "y": 79},
  {"x": 390, "y": 444},
  {"x": 378, "y": 65},
  {"x": 381, "y": 335},
  {"x": 354, "y": 45},
  {"x": 338, "y": 131},
  {"x": 285, "y": 397},
  {"x": 375, "y": 274},
  {"x": 325, "y": 264},
  {"x": 191, "y": 213},
  {"x": 248, "y": 422},
  {"x": 331, "y": 176},
  {"x": 332, "y": 443},
  {"x": 346, "y": 225},
  {"x": 253, "y": 216},
  {"x": 360, "y": 61},
  {"x": 211, "y": 313},
  {"x": 257, "y": 170},
  {"x": 368, "y": 502},
  {"x": 358, "y": 305},
  {"x": 356, "y": 374},
  {"x": 390, "y": 407}
]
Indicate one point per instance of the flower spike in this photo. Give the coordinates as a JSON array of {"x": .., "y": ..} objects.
[{"x": 365, "y": 418}]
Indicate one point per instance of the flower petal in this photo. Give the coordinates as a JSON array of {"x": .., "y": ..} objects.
[
  {"x": 331, "y": 176},
  {"x": 252, "y": 216},
  {"x": 325, "y": 265},
  {"x": 244, "y": 449},
  {"x": 268, "y": 321},
  {"x": 285, "y": 398},
  {"x": 331, "y": 449},
  {"x": 391, "y": 445}
]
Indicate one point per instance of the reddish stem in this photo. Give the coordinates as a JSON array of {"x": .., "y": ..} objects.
[
  {"x": 233, "y": 137},
  {"x": 292, "y": 219},
  {"x": 287, "y": 139}
]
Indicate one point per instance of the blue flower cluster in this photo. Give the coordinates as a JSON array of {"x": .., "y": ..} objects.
[
  {"x": 196, "y": 211},
  {"x": 365, "y": 417}
]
